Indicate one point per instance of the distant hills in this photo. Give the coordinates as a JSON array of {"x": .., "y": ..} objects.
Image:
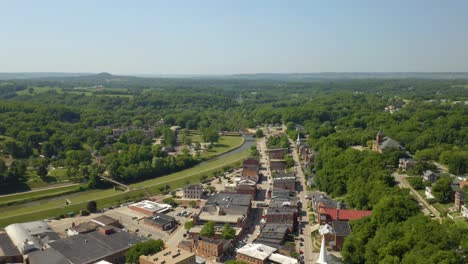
[{"x": 294, "y": 77}]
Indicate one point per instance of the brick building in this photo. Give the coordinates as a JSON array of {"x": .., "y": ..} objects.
[{"x": 194, "y": 191}]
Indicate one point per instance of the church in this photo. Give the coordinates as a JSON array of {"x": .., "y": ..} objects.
[{"x": 381, "y": 143}]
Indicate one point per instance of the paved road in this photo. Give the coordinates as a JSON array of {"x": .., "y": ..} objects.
[
  {"x": 309, "y": 256},
  {"x": 426, "y": 208}
]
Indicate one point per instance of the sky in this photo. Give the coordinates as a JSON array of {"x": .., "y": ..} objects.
[{"x": 232, "y": 37}]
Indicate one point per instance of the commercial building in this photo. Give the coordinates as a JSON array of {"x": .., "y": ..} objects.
[
  {"x": 224, "y": 208},
  {"x": 254, "y": 253},
  {"x": 277, "y": 154},
  {"x": 194, "y": 191},
  {"x": 104, "y": 220},
  {"x": 273, "y": 235},
  {"x": 276, "y": 258},
  {"x": 161, "y": 221},
  {"x": 108, "y": 243},
  {"x": 149, "y": 207},
  {"x": 211, "y": 249},
  {"x": 284, "y": 181},
  {"x": 30, "y": 236},
  {"x": 250, "y": 168},
  {"x": 169, "y": 255},
  {"x": 328, "y": 215}
]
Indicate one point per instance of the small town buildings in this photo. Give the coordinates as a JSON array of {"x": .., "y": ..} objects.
[
  {"x": 284, "y": 181},
  {"x": 161, "y": 221},
  {"x": 464, "y": 211},
  {"x": 381, "y": 143},
  {"x": 428, "y": 192},
  {"x": 458, "y": 194},
  {"x": 250, "y": 168},
  {"x": 211, "y": 249},
  {"x": 254, "y": 253},
  {"x": 194, "y": 191},
  {"x": 429, "y": 175},
  {"x": 276, "y": 258},
  {"x": 82, "y": 228},
  {"x": 277, "y": 165},
  {"x": 247, "y": 189},
  {"x": 406, "y": 164},
  {"x": 286, "y": 216},
  {"x": 108, "y": 243},
  {"x": 277, "y": 154},
  {"x": 328, "y": 215},
  {"x": 104, "y": 220},
  {"x": 342, "y": 230},
  {"x": 273, "y": 235},
  {"x": 222, "y": 208},
  {"x": 30, "y": 236},
  {"x": 170, "y": 255},
  {"x": 149, "y": 207}
]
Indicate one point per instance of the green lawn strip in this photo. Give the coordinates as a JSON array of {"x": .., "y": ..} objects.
[
  {"x": 106, "y": 198},
  {"x": 225, "y": 144},
  {"x": 205, "y": 167},
  {"x": 28, "y": 196}
]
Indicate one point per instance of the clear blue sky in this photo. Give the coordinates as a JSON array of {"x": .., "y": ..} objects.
[{"x": 224, "y": 37}]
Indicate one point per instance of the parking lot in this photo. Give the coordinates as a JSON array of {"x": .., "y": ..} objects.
[{"x": 131, "y": 220}]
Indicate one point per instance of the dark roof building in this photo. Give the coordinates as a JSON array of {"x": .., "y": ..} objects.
[
  {"x": 93, "y": 247},
  {"x": 104, "y": 220},
  {"x": 273, "y": 235},
  {"x": 161, "y": 221},
  {"x": 9, "y": 253}
]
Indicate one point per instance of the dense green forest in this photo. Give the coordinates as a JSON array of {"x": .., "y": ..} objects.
[{"x": 98, "y": 124}]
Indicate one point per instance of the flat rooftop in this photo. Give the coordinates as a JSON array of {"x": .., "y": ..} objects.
[
  {"x": 88, "y": 248},
  {"x": 151, "y": 206},
  {"x": 171, "y": 255}
]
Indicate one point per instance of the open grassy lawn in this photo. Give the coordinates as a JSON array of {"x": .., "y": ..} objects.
[
  {"x": 442, "y": 207},
  {"x": 47, "y": 208},
  {"x": 225, "y": 144},
  {"x": 36, "y": 194}
]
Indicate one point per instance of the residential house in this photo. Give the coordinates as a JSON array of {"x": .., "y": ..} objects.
[
  {"x": 428, "y": 192},
  {"x": 429, "y": 175},
  {"x": 406, "y": 164}
]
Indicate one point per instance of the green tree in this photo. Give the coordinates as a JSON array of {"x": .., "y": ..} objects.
[
  {"x": 259, "y": 133},
  {"x": 42, "y": 171},
  {"x": 149, "y": 247},
  {"x": 188, "y": 225},
  {"x": 442, "y": 189},
  {"x": 193, "y": 204},
  {"x": 228, "y": 232},
  {"x": 91, "y": 206},
  {"x": 208, "y": 229}
]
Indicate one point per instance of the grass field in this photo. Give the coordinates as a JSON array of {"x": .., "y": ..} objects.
[
  {"x": 225, "y": 144},
  {"x": 36, "y": 195},
  {"x": 47, "y": 208}
]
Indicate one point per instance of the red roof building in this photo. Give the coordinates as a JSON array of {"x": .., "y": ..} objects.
[{"x": 328, "y": 215}]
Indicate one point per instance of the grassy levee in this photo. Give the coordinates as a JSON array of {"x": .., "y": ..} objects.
[
  {"x": 226, "y": 143},
  {"x": 106, "y": 198},
  {"x": 31, "y": 196}
]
